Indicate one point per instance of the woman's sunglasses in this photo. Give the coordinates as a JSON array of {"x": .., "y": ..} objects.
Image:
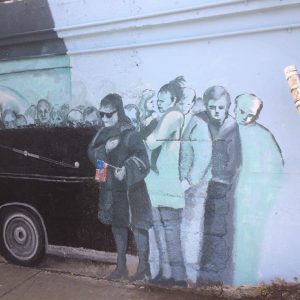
[{"x": 108, "y": 115}]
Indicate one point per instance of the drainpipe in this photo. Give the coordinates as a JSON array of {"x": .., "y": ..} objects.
[{"x": 293, "y": 78}]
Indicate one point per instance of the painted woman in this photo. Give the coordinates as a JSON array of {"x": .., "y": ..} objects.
[
  {"x": 164, "y": 186},
  {"x": 124, "y": 200}
]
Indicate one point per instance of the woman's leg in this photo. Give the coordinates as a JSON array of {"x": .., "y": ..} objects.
[
  {"x": 121, "y": 239},
  {"x": 160, "y": 238},
  {"x": 141, "y": 238}
]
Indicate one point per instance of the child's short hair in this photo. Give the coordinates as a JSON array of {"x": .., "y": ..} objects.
[{"x": 215, "y": 93}]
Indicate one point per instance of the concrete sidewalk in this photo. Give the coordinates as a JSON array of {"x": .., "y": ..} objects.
[
  {"x": 64, "y": 278},
  {"x": 60, "y": 278}
]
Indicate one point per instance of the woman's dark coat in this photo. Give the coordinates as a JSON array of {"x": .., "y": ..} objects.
[{"x": 123, "y": 203}]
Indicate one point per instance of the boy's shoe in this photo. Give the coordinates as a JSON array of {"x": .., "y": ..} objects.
[
  {"x": 118, "y": 274},
  {"x": 141, "y": 276},
  {"x": 159, "y": 279}
]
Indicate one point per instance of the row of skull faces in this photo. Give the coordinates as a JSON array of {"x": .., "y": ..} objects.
[
  {"x": 41, "y": 113},
  {"x": 75, "y": 117},
  {"x": 44, "y": 114},
  {"x": 247, "y": 106}
]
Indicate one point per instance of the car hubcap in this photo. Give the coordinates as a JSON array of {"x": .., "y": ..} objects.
[{"x": 20, "y": 236}]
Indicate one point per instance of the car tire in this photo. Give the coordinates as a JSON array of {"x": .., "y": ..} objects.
[{"x": 22, "y": 238}]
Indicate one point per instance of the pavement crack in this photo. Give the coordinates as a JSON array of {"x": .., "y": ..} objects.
[{"x": 20, "y": 283}]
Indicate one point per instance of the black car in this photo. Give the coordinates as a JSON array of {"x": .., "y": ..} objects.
[{"x": 47, "y": 193}]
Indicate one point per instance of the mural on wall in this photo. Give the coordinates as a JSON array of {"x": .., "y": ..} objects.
[
  {"x": 190, "y": 177},
  {"x": 215, "y": 173},
  {"x": 193, "y": 183},
  {"x": 197, "y": 181}
]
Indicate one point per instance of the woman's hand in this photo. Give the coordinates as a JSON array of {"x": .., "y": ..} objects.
[
  {"x": 120, "y": 173},
  {"x": 111, "y": 144}
]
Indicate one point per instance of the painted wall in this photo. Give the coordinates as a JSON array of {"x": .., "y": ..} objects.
[{"x": 127, "y": 47}]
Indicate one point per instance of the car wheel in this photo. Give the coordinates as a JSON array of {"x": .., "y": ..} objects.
[{"x": 22, "y": 239}]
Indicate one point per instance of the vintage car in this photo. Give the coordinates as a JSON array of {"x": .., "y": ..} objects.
[{"x": 48, "y": 194}]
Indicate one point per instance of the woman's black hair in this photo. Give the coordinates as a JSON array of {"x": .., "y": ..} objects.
[
  {"x": 116, "y": 102},
  {"x": 174, "y": 87}
]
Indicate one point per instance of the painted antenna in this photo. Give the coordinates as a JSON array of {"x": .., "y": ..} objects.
[
  {"x": 293, "y": 79},
  {"x": 76, "y": 164}
]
